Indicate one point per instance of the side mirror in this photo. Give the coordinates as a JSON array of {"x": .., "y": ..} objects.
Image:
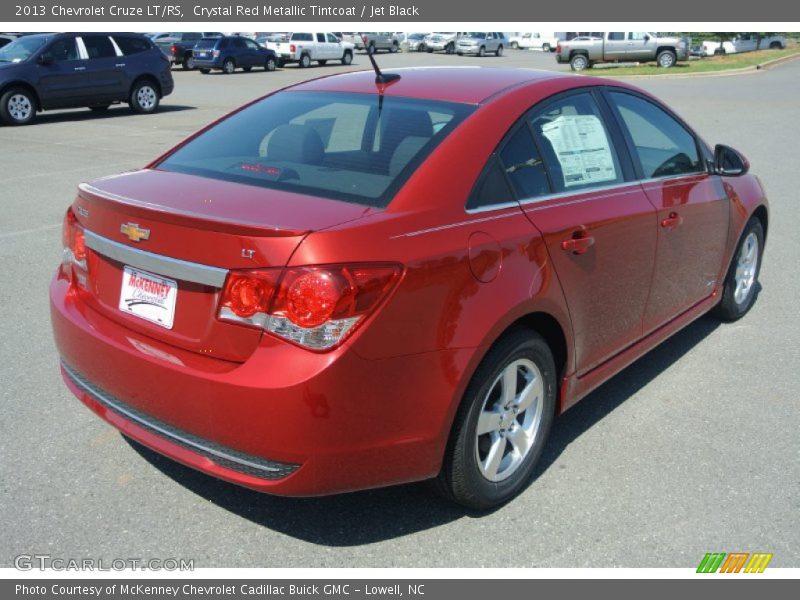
[
  {"x": 45, "y": 58},
  {"x": 729, "y": 162}
]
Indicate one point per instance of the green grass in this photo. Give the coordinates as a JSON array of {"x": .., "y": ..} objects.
[{"x": 704, "y": 65}]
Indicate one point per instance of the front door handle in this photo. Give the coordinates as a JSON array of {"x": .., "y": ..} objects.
[
  {"x": 119, "y": 65},
  {"x": 80, "y": 68},
  {"x": 672, "y": 221},
  {"x": 579, "y": 243}
]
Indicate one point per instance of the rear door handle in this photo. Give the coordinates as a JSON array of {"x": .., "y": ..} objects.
[
  {"x": 578, "y": 244},
  {"x": 672, "y": 221},
  {"x": 120, "y": 65},
  {"x": 80, "y": 68}
]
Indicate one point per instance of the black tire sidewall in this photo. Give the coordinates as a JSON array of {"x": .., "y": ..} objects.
[
  {"x": 461, "y": 476},
  {"x": 728, "y": 309},
  {"x": 6, "y": 117}
]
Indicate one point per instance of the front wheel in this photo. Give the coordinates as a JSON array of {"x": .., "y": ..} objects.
[
  {"x": 270, "y": 64},
  {"x": 666, "y": 59},
  {"x": 144, "y": 98},
  {"x": 481, "y": 51},
  {"x": 740, "y": 287},
  {"x": 514, "y": 46},
  {"x": 395, "y": 47},
  {"x": 17, "y": 107},
  {"x": 347, "y": 58},
  {"x": 499, "y": 51},
  {"x": 545, "y": 47},
  {"x": 579, "y": 62},
  {"x": 502, "y": 424}
]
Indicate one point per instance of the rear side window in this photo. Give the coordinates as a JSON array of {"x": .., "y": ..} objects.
[
  {"x": 99, "y": 46},
  {"x": 320, "y": 37},
  {"x": 663, "y": 146},
  {"x": 616, "y": 36},
  {"x": 132, "y": 45},
  {"x": 492, "y": 189},
  {"x": 191, "y": 37},
  {"x": 521, "y": 162},
  {"x": 302, "y": 37},
  {"x": 336, "y": 145},
  {"x": 575, "y": 145}
]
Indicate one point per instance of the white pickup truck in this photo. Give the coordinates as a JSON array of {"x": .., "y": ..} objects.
[
  {"x": 745, "y": 42},
  {"x": 304, "y": 47}
]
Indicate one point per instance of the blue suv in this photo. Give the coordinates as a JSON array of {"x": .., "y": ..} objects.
[
  {"x": 230, "y": 53},
  {"x": 70, "y": 70}
]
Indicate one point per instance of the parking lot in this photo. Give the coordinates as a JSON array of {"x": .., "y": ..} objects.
[{"x": 693, "y": 449}]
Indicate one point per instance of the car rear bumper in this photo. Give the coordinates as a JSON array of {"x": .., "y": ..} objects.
[
  {"x": 287, "y": 421},
  {"x": 207, "y": 63}
]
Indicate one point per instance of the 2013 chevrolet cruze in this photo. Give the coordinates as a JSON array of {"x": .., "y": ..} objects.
[{"x": 349, "y": 284}]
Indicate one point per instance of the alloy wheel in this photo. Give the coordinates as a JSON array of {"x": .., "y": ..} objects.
[
  {"x": 746, "y": 268},
  {"x": 20, "y": 107}
]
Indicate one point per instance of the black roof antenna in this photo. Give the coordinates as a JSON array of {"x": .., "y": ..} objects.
[{"x": 381, "y": 79}]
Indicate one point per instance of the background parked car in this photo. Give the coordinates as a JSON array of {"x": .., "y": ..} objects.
[
  {"x": 232, "y": 52},
  {"x": 538, "y": 40},
  {"x": 481, "y": 43},
  {"x": 443, "y": 41},
  {"x": 746, "y": 42},
  {"x": 6, "y": 39},
  {"x": 178, "y": 46},
  {"x": 623, "y": 46},
  {"x": 373, "y": 41},
  {"x": 69, "y": 70},
  {"x": 414, "y": 42},
  {"x": 305, "y": 47}
]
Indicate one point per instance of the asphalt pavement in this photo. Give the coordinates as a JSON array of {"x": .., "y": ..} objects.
[{"x": 693, "y": 449}]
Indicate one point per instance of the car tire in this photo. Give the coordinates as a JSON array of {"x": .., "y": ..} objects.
[
  {"x": 740, "y": 288},
  {"x": 499, "y": 51},
  {"x": 188, "y": 63},
  {"x": 498, "y": 435},
  {"x": 666, "y": 59},
  {"x": 322, "y": 63},
  {"x": 429, "y": 50},
  {"x": 481, "y": 51},
  {"x": 395, "y": 48},
  {"x": 514, "y": 46},
  {"x": 371, "y": 48},
  {"x": 100, "y": 109},
  {"x": 229, "y": 66},
  {"x": 775, "y": 46},
  {"x": 17, "y": 107},
  {"x": 305, "y": 61},
  {"x": 545, "y": 47},
  {"x": 270, "y": 64},
  {"x": 144, "y": 98},
  {"x": 205, "y": 71},
  {"x": 347, "y": 58},
  {"x": 450, "y": 48},
  {"x": 579, "y": 62}
]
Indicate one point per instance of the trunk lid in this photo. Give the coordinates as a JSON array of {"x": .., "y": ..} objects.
[{"x": 189, "y": 230}]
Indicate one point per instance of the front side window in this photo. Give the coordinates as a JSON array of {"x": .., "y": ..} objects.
[
  {"x": 332, "y": 39},
  {"x": 251, "y": 44},
  {"x": 663, "y": 146},
  {"x": 344, "y": 146},
  {"x": 637, "y": 35},
  {"x": 22, "y": 48},
  {"x": 575, "y": 144},
  {"x": 63, "y": 49}
]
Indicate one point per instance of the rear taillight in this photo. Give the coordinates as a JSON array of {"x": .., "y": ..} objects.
[
  {"x": 558, "y": 48},
  {"x": 292, "y": 48},
  {"x": 174, "y": 50},
  {"x": 215, "y": 53},
  {"x": 314, "y": 307},
  {"x": 74, "y": 241}
]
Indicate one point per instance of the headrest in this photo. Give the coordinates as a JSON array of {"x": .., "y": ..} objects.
[{"x": 296, "y": 143}]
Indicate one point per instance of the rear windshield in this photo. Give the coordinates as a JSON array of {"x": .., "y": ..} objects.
[
  {"x": 207, "y": 43},
  {"x": 344, "y": 146}
]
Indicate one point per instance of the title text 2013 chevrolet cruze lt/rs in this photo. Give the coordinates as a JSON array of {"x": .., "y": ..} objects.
[{"x": 354, "y": 282}]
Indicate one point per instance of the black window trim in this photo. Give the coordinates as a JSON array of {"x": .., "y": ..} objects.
[
  {"x": 703, "y": 151},
  {"x": 611, "y": 124}
]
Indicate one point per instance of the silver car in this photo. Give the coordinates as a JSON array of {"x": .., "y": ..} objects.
[{"x": 481, "y": 43}]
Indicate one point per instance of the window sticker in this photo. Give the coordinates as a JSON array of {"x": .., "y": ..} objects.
[{"x": 582, "y": 148}]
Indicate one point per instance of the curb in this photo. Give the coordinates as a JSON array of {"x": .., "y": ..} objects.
[{"x": 722, "y": 73}]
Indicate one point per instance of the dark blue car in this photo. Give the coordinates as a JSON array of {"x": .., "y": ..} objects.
[
  {"x": 230, "y": 53},
  {"x": 70, "y": 70}
]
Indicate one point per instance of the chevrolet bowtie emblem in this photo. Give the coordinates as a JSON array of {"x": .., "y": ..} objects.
[{"x": 134, "y": 232}]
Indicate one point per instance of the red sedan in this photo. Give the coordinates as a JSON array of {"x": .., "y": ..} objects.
[{"x": 349, "y": 283}]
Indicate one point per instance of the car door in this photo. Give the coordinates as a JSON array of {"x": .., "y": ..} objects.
[
  {"x": 256, "y": 57},
  {"x": 597, "y": 223},
  {"x": 323, "y": 49},
  {"x": 106, "y": 70},
  {"x": 64, "y": 78},
  {"x": 692, "y": 206},
  {"x": 615, "y": 46},
  {"x": 640, "y": 46},
  {"x": 334, "y": 47}
]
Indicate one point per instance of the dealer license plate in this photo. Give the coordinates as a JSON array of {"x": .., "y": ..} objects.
[{"x": 148, "y": 297}]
